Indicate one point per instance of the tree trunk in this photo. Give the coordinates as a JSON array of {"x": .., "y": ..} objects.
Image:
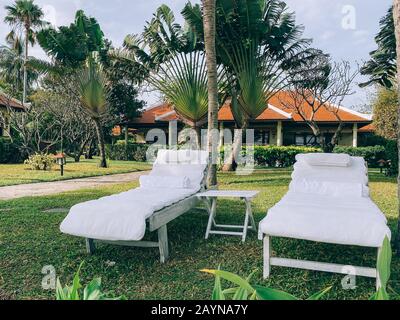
[
  {"x": 396, "y": 16},
  {"x": 100, "y": 137},
  {"x": 25, "y": 88},
  {"x": 211, "y": 60}
]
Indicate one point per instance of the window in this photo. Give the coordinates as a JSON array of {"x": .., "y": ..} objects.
[
  {"x": 304, "y": 139},
  {"x": 261, "y": 137}
]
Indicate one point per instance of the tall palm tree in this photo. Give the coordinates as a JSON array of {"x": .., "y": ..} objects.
[
  {"x": 92, "y": 90},
  {"x": 212, "y": 83},
  {"x": 25, "y": 16},
  {"x": 396, "y": 17},
  {"x": 12, "y": 65}
]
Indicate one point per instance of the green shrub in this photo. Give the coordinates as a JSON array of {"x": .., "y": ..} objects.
[
  {"x": 273, "y": 156},
  {"x": 371, "y": 154},
  {"x": 393, "y": 156},
  {"x": 40, "y": 161},
  {"x": 9, "y": 152},
  {"x": 130, "y": 152}
]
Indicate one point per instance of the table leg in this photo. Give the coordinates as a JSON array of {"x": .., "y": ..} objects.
[
  {"x": 252, "y": 221},
  {"x": 246, "y": 220},
  {"x": 212, "y": 216}
]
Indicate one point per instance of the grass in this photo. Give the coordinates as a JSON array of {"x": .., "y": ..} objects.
[
  {"x": 14, "y": 174},
  {"x": 30, "y": 239}
]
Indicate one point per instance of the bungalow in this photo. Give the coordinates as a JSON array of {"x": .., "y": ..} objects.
[
  {"x": 277, "y": 125},
  {"x": 5, "y": 104}
]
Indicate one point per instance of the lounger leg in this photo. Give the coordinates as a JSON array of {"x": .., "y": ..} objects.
[
  {"x": 163, "y": 243},
  {"x": 246, "y": 220},
  {"x": 211, "y": 220},
  {"x": 90, "y": 246},
  {"x": 267, "y": 257},
  {"x": 378, "y": 278}
]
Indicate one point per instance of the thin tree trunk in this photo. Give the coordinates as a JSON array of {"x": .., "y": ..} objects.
[
  {"x": 211, "y": 60},
  {"x": 396, "y": 16},
  {"x": 100, "y": 137},
  {"x": 25, "y": 88}
]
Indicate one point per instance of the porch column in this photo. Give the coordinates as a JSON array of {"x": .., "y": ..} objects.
[
  {"x": 279, "y": 135},
  {"x": 126, "y": 135},
  {"x": 172, "y": 133},
  {"x": 355, "y": 135},
  {"x": 221, "y": 134}
]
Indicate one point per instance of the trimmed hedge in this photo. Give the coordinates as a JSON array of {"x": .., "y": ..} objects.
[
  {"x": 9, "y": 152},
  {"x": 371, "y": 154},
  {"x": 281, "y": 157},
  {"x": 132, "y": 152},
  {"x": 393, "y": 156}
]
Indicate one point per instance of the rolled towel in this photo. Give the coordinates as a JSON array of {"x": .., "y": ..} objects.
[
  {"x": 325, "y": 159},
  {"x": 171, "y": 182}
]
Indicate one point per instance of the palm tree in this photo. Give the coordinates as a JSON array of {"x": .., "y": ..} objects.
[
  {"x": 396, "y": 17},
  {"x": 212, "y": 75},
  {"x": 27, "y": 16},
  {"x": 12, "y": 65},
  {"x": 257, "y": 43},
  {"x": 92, "y": 90},
  {"x": 381, "y": 68},
  {"x": 183, "y": 81}
]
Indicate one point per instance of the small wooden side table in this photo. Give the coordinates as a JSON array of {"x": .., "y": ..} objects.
[{"x": 211, "y": 198}]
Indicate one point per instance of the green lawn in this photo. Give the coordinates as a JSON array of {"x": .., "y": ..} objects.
[
  {"x": 13, "y": 174},
  {"x": 30, "y": 239}
]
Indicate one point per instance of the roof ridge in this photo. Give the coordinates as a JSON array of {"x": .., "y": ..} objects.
[{"x": 280, "y": 111}]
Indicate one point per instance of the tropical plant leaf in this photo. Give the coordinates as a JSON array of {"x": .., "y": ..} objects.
[
  {"x": 319, "y": 295},
  {"x": 264, "y": 293}
]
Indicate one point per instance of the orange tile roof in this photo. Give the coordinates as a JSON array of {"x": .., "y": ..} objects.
[
  {"x": 368, "y": 128},
  {"x": 275, "y": 112},
  {"x": 282, "y": 99},
  {"x": 5, "y": 101}
]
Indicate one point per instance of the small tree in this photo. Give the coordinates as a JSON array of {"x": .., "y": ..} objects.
[
  {"x": 317, "y": 86},
  {"x": 385, "y": 113}
]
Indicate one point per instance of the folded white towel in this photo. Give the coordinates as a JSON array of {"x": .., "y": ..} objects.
[
  {"x": 330, "y": 188},
  {"x": 356, "y": 172},
  {"x": 170, "y": 182},
  {"x": 325, "y": 159}
]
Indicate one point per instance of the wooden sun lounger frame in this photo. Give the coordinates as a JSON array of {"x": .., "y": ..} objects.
[
  {"x": 158, "y": 222},
  {"x": 269, "y": 261}
]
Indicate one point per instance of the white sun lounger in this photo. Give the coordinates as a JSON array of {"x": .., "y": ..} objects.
[
  {"x": 327, "y": 202},
  {"x": 165, "y": 194}
]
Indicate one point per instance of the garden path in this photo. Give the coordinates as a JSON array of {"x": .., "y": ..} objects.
[{"x": 56, "y": 187}]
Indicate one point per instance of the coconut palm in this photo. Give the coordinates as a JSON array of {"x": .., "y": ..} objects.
[
  {"x": 25, "y": 16},
  {"x": 396, "y": 18},
  {"x": 92, "y": 90},
  {"x": 12, "y": 65},
  {"x": 212, "y": 75}
]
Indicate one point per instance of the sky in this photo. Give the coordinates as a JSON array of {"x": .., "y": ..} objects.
[{"x": 343, "y": 28}]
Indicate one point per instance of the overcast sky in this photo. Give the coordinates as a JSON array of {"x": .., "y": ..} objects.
[{"x": 343, "y": 28}]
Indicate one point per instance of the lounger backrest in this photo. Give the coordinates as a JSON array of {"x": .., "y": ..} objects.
[{"x": 182, "y": 163}]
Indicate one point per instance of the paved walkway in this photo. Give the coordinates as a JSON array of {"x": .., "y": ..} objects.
[{"x": 49, "y": 188}]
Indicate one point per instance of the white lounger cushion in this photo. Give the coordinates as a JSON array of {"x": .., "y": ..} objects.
[
  {"x": 173, "y": 182},
  {"x": 325, "y": 159},
  {"x": 120, "y": 217},
  {"x": 347, "y": 221}
]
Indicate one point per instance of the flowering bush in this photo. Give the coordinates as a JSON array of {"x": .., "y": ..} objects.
[{"x": 40, "y": 161}]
